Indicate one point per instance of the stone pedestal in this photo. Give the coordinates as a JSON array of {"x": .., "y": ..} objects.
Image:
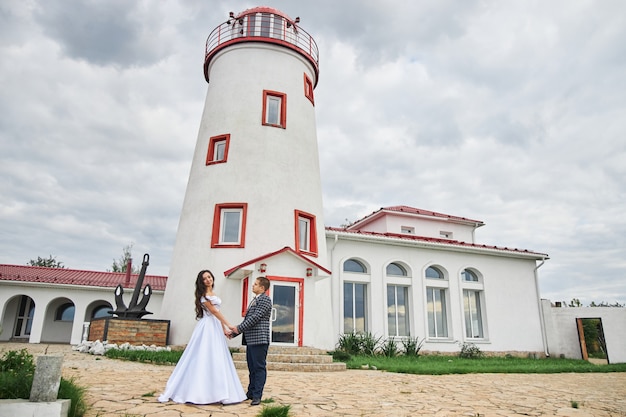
[
  {"x": 134, "y": 331},
  {"x": 47, "y": 379},
  {"x": 17, "y": 408}
]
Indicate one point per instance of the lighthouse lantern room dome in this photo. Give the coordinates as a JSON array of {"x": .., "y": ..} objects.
[{"x": 262, "y": 24}]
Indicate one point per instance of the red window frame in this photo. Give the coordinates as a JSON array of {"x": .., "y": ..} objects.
[
  {"x": 217, "y": 222},
  {"x": 282, "y": 116},
  {"x": 211, "y": 151},
  {"x": 312, "y": 251},
  {"x": 308, "y": 89}
]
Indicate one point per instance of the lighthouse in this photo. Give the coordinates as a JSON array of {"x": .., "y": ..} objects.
[{"x": 253, "y": 203}]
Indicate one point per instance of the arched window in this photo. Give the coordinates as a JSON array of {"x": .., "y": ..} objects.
[
  {"x": 433, "y": 273},
  {"x": 469, "y": 276},
  {"x": 65, "y": 312},
  {"x": 473, "y": 301},
  {"x": 101, "y": 311},
  {"x": 437, "y": 308},
  {"x": 352, "y": 265},
  {"x": 396, "y": 269}
]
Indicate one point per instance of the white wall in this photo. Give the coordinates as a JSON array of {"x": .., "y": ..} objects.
[
  {"x": 563, "y": 334},
  {"x": 511, "y": 307}
]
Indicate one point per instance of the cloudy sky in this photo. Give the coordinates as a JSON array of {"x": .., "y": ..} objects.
[{"x": 509, "y": 112}]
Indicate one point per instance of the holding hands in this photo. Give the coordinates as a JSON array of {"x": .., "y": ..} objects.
[{"x": 232, "y": 332}]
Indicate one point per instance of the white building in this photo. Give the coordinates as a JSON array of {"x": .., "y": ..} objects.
[
  {"x": 254, "y": 206},
  {"x": 52, "y": 305}
]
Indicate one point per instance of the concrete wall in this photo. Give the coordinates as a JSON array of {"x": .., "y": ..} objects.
[{"x": 562, "y": 332}]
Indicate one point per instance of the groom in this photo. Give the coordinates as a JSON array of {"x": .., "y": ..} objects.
[{"x": 256, "y": 336}]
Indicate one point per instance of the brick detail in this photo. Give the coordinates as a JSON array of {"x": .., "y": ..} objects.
[{"x": 133, "y": 331}]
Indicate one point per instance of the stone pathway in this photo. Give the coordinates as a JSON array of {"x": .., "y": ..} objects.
[{"x": 128, "y": 389}]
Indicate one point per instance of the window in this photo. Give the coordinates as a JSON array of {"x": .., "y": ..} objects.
[
  {"x": 437, "y": 312},
  {"x": 407, "y": 230},
  {"x": 278, "y": 27},
  {"x": 469, "y": 276},
  {"x": 354, "y": 307},
  {"x": 265, "y": 25},
  {"x": 306, "y": 233},
  {"x": 274, "y": 109},
  {"x": 396, "y": 269},
  {"x": 473, "y": 315},
  {"x": 229, "y": 225},
  {"x": 218, "y": 149},
  {"x": 308, "y": 89},
  {"x": 65, "y": 312},
  {"x": 352, "y": 265},
  {"x": 101, "y": 311},
  {"x": 433, "y": 273},
  {"x": 473, "y": 300},
  {"x": 436, "y": 302},
  {"x": 397, "y": 310}
]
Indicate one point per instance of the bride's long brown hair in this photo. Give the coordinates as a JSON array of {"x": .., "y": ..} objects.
[{"x": 201, "y": 291}]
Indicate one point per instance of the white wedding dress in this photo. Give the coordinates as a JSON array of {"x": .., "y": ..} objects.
[{"x": 205, "y": 373}]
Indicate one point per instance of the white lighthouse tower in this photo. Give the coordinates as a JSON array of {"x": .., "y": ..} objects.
[{"x": 253, "y": 204}]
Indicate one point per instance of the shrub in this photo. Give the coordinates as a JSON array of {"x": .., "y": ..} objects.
[
  {"x": 16, "y": 374},
  {"x": 17, "y": 361},
  {"x": 389, "y": 348},
  {"x": 341, "y": 356},
  {"x": 369, "y": 343},
  {"x": 349, "y": 343},
  {"x": 412, "y": 346},
  {"x": 358, "y": 343},
  {"x": 470, "y": 351}
]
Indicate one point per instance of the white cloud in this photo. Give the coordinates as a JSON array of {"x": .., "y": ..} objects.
[{"x": 510, "y": 113}]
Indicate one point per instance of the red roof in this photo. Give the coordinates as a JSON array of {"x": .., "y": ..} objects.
[
  {"x": 65, "y": 276},
  {"x": 437, "y": 240},
  {"x": 414, "y": 211},
  {"x": 286, "y": 249},
  {"x": 263, "y": 9}
]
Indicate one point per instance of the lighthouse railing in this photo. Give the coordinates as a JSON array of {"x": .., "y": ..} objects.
[{"x": 262, "y": 27}]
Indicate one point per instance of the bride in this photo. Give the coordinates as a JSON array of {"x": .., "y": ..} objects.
[{"x": 205, "y": 373}]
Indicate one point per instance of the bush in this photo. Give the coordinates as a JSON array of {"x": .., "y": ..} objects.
[
  {"x": 341, "y": 356},
  {"x": 412, "y": 346},
  {"x": 470, "y": 351},
  {"x": 16, "y": 374},
  {"x": 369, "y": 343},
  {"x": 358, "y": 343},
  {"x": 349, "y": 343},
  {"x": 17, "y": 361},
  {"x": 389, "y": 348}
]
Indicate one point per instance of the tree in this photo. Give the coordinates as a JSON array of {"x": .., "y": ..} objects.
[
  {"x": 575, "y": 303},
  {"x": 122, "y": 264},
  {"x": 605, "y": 304},
  {"x": 51, "y": 262}
]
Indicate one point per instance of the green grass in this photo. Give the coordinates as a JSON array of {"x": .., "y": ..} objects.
[
  {"x": 422, "y": 364},
  {"x": 441, "y": 365},
  {"x": 163, "y": 357},
  {"x": 275, "y": 411}
]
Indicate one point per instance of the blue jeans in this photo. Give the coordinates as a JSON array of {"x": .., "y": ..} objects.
[{"x": 256, "y": 356}]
